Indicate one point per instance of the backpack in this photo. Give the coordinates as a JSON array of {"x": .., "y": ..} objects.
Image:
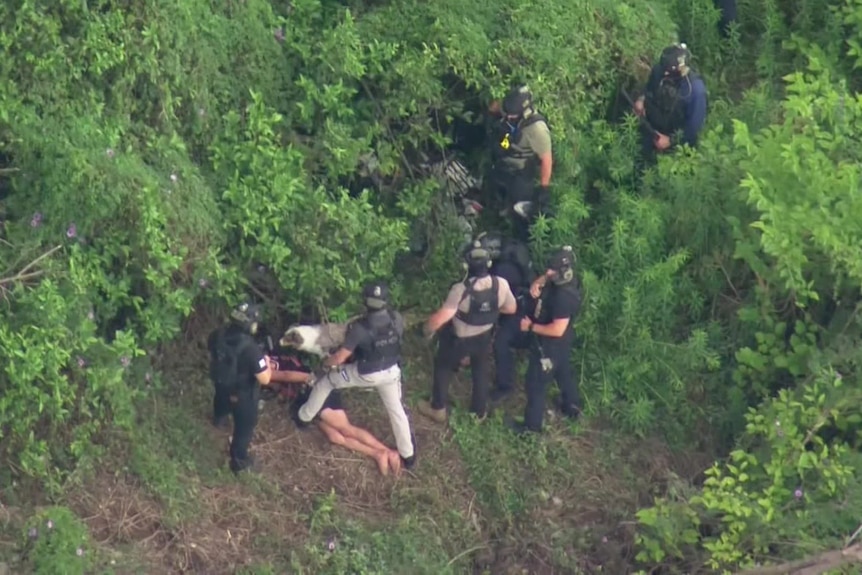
[{"x": 224, "y": 363}]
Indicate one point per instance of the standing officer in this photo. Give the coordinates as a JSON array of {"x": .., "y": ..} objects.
[
  {"x": 674, "y": 100},
  {"x": 374, "y": 341},
  {"x": 469, "y": 313},
  {"x": 521, "y": 148},
  {"x": 238, "y": 368},
  {"x": 550, "y": 356}
]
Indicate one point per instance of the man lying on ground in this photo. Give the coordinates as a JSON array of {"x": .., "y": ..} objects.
[{"x": 332, "y": 419}]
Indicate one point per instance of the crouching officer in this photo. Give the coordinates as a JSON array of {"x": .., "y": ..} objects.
[
  {"x": 522, "y": 150},
  {"x": 511, "y": 261},
  {"x": 238, "y": 367},
  {"x": 674, "y": 100},
  {"x": 559, "y": 301},
  {"x": 467, "y": 319},
  {"x": 374, "y": 341}
]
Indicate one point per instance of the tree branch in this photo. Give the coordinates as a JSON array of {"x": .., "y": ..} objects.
[
  {"x": 814, "y": 565},
  {"x": 25, "y": 274}
]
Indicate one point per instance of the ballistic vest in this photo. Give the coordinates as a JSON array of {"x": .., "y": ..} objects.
[
  {"x": 484, "y": 305},
  {"x": 383, "y": 350}
]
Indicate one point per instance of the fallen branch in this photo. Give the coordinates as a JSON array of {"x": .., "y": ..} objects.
[
  {"x": 814, "y": 565},
  {"x": 8, "y": 170},
  {"x": 25, "y": 274}
]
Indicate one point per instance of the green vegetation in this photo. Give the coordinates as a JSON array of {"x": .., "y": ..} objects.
[{"x": 157, "y": 159}]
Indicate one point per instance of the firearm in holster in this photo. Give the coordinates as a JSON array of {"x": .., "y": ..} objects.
[{"x": 644, "y": 122}]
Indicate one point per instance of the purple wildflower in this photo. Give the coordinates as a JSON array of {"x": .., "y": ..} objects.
[
  {"x": 71, "y": 231},
  {"x": 33, "y": 533},
  {"x": 36, "y": 221},
  {"x": 330, "y": 545},
  {"x": 50, "y": 524},
  {"x": 125, "y": 361},
  {"x": 81, "y": 362},
  {"x": 202, "y": 282},
  {"x": 604, "y": 539},
  {"x": 798, "y": 493},
  {"x": 148, "y": 377},
  {"x": 279, "y": 35},
  {"x": 79, "y": 552},
  {"x": 109, "y": 152}
]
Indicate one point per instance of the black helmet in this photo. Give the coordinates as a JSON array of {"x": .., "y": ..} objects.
[
  {"x": 517, "y": 101},
  {"x": 247, "y": 314},
  {"x": 477, "y": 254},
  {"x": 563, "y": 262},
  {"x": 675, "y": 60},
  {"x": 376, "y": 295},
  {"x": 492, "y": 242}
]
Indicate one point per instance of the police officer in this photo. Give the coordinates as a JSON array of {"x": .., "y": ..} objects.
[
  {"x": 511, "y": 261},
  {"x": 521, "y": 148},
  {"x": 467, "y": 319},
  {"x": 559, "y": 301},
  {"x": 728, "y": 16},
  {"x": 674, "y": 101},
  {"x": 238, "y": 367},
  {"x": 374, "y": 341}
]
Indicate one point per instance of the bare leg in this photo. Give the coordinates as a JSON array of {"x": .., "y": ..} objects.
[
  {"x": 337, "y": 418},
  {"x": 338, "y": 438}
]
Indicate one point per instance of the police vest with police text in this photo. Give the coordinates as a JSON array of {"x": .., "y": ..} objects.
[
  {"x": 484, "y": 305},
  {"x": 384, "y": 349}
]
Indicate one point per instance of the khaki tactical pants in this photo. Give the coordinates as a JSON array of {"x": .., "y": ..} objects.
[{"x": 388, "y": 385}]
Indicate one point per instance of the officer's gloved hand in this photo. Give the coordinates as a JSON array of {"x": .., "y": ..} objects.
[{"x": 543, "y": 200}]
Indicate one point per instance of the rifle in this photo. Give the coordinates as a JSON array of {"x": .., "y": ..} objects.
[{"x": 644, "y": 122}]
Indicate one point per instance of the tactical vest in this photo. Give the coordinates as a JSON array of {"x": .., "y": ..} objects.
[
  {"x": 665, "y": 106},
  {"x": 224, "y": 365},
  {"x": 484, "y": 305},
  {"x": 384, "y": 349},
  {"x": 508, "y": 145}
]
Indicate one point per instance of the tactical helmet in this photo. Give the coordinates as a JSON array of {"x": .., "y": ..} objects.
[
  {"x": 517, "y": 101},
  {"x": 563, "y": 262},
  {"x": 477, "y": 254},
  {"x": 247, "y": 314},
  {"x": 376, "y": 295},
  {"x": 492, "y": 242},
  {"x": 675, "y": 60}
]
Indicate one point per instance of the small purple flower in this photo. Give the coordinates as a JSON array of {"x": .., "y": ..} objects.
[
  {"x": 36, "y": 221},
  {"x": 50, "y": 524},
  {"x": 279, "y": 34},
  {"x": 202, "y": 282},
  {"x": 109, "y": 152},
  {"x": 174, "y": 178},
  {"x": 81, "y": 362},
  {"x": 79, "y": 552},
  {"x": 148, "y": 377},
  {"x": 330, "y": 545},
  {"x": 33, "y": 533},
  {"x": 604, "y": 539},
  {"x": 798, "y": 493},
  {"x": 125, "y": 361},
  {"x": 71, "y": 231}
]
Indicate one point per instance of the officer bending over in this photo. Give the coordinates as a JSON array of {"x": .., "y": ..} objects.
[
  {"x": 559, "y": 301},
  {"x": 375, "y": 343},
  {"x": 674, "y": 100},
  {"x": 511, "y": 261},
  {"x": 467, "y": 319},
  {"x": 238, "y": 367}
]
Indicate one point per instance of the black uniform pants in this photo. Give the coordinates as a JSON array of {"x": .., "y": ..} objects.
[
  {"x": 538, "y": 378},
  {"x": 451, "y": 350},
  {"x": 243, "y": 408},
  {"x": 728, "y": 15},
  {"x": 508, "y": 338}
]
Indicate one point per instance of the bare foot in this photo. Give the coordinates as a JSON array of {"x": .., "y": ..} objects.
[
  {"x": 382, "y": 459},
  {"x": 395, "y": 462}
]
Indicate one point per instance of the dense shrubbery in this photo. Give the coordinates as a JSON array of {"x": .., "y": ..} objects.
[{"x": 160, "y": 155}]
